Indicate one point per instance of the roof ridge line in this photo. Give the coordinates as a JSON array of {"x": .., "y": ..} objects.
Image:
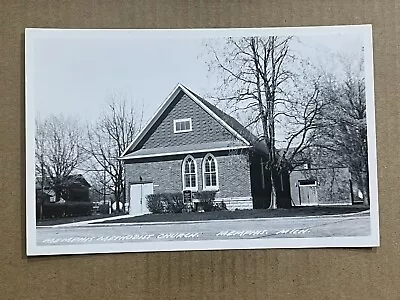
[{"x": 197, "y": 99}]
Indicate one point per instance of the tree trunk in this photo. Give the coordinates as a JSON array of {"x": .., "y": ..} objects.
[
  {"x": 273, "y": 204},
  {"x": 58, "y": 194},
  {"x": 124, "y": 198},
  {"x": 365, "y": 189},
  {"x": 117, "y": 199},
  {"x": 366, "y": 198},
  {"x": 41, "y": 209}
]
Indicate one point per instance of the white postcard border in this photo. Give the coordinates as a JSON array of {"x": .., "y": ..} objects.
[{"x": 31, "y": 35}]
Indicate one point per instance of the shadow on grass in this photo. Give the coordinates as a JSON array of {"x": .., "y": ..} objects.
[{"x": 243, "y": 214}]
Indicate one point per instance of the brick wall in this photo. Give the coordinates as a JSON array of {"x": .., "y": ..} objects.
[
  {"x": 234, "y": 175},
  {"x": 205, "y": 129},
  {"x": 166, "y": 175},
  {"x": 333, "y": 185}
]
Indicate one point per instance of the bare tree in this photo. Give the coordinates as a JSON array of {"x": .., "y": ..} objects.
[
  {"x": 344, "y": 134},
  {"x": 107, "y": 139},
  {"x": 58, "y": 151},
  {"x": 259, "y": 78}
]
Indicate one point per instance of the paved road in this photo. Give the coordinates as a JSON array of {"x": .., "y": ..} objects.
[{"x": 327, "y": 226}]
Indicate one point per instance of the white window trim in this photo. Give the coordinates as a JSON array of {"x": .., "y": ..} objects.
[
  {"x": 183, "y": 120},
  {"x": 209, "y": 188},
  {"x": 195, "y": 188}
]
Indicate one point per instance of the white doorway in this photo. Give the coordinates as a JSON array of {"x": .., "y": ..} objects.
[
  {"x": 138, "y": 202},
  {"x": 308, "y": 195}
]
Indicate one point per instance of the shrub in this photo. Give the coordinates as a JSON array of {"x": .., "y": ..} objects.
[
  {"x": 205, "y": 195},
  {"x": 103, "y": 208},
  {"x": 155, "y": 203},
  {"x": 174, "y": 203},
  {"x": 207, "y": 205},
  {"x": 220, "y": 206},
  {"x": 53, "y": 210},
  {"x": 66, "y": 209},
  {"x": 206, "y": 200},
  {"x": 165, "y": 203},
  {"x": 76, "y": 208},
  {"x": 223, "y": 206}
]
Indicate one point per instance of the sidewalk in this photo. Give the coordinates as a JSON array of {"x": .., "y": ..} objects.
[{"x": 69, "y": 220}]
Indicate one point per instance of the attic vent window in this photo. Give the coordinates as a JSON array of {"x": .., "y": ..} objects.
[
  {"x": 182, "y": 125},
  {"x": 310, "y": 182}
]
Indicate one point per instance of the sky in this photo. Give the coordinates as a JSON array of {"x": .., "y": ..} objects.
[{"x": 76, "y": 72}]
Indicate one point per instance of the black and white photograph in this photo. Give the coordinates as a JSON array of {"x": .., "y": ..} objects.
[{"x": 145, "y": 140}]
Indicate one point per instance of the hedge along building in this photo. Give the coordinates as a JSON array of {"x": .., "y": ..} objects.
[{"x": 190, "y": 144}]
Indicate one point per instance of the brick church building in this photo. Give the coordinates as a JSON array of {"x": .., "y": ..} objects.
[{"x": 190, "y": 144}]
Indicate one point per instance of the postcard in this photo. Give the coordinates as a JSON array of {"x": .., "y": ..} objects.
[{"x": 200, "y": 139}]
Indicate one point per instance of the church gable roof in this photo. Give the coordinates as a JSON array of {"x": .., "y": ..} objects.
[
  {"x": 232, "y": 122},
  {"x": 241, "y": 134}
]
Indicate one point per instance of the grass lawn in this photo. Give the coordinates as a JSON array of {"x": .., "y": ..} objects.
[
  {"x": 59, "y": 221},
  {"x": 242, "y": 214}
]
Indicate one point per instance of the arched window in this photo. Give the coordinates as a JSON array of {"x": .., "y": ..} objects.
[
  {"x": 210, "y": 173},
  {"x": 189, "y": 173}
]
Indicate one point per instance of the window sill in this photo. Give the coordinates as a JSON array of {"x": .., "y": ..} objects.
[
  {"x": 183, "y": 131},
  {"x": 211, "y": 189},
  {"x": 190, "y": 189}
]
